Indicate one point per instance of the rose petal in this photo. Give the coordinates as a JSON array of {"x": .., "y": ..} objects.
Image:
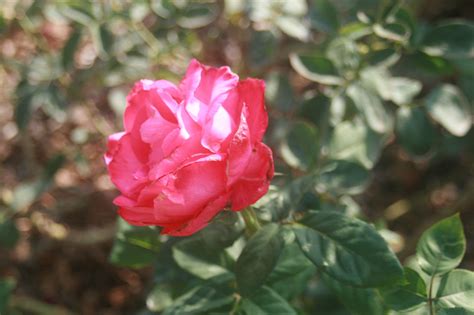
[
  {"x": 126, "y": 170},
  {"x": 112, "y": 146},
  {"x": 252, "y": 93},
  {"x": 255, "y": 180},
  {"x": 191, "y": 187},
  {"x": 240, "y": 151},
  {"x": 200, "y": 221}
]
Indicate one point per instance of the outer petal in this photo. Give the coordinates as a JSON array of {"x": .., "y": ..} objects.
[
  {"x": 126, "y": 170},
  {"x": 255, "y": 180},
  {"x": 112, "y": 146},
  {"x": 240, "y": 151},
  {"x": 252, "y": 92},
  {"x": 200, "y": 221},
  {"x": 191, "y": 187}
]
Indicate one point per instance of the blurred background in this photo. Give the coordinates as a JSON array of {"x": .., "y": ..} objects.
[{"x": 385, "y": 85}]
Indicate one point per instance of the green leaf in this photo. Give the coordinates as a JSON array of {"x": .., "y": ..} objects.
[
  {"x": 323, "y": 16},
  {"x": 352, "y": 140},
  {"x": 222, "y": 232},
  {"x": 192, "y": 255},
  {"x": 449, "y": 107},
  {"x": 258, "y": 259},
  {"x": 199, "y": 300},
  {"x": 26, "y": 193},
  {"x": 197, "y": 15},
  {"x": 292, "y": 272},
  {"x": 359, "y": 301},
  {"x": 70, "y": 48},
  {"x": 342, "y": 177},
  {"x": 134, "y": 246},
  {"x": 403, "y": 90},
  {"x": 347, "y": 249},
  {"x": 393, "y": 32},
  {"x": 278, "y": 91},
  {"x": 103, "y": 39},
  {"x": 6, "y": 288},
  {"x": 24, "y": 108},
  {"x": 300, "y": 149},
  {"x": 263, "y": 48},
  {"x": 344, "y": 55},
  {"x": 355, "y": 30},
  {"x": 371, "y": 107},
  {"x": 414, "y": 131},
  {"x": 441, "y": 247},
  {"x": 266, "y": 302},
  {"x": 9, "y": 234},
  {"x": 316, "y": 68},
  {"x": 408, "y": 294},
  {"x": 456, "y": 289},
  {"x": 453, "y": 39},
  {"x": 276, "y": 205},
  {"x": 385, "y": 57},
  {"x": 454, "y": 311},
  {"x": 77, "y": 14},
  {"x": 293, "y": 26},
  {"x": 159, "y": 298}
]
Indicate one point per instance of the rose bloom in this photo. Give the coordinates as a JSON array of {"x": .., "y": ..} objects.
[{"x": 190, "y": 151}]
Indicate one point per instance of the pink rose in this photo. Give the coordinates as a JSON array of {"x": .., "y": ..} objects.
[{"x": 190, "y": 151}]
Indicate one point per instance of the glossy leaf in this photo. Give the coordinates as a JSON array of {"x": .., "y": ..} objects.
[
  {"x": 69, "y": 50},
  {"x": 449, "y": 107},
  {"x": 293, "y": 26},
  {"x": 300, "y": 149},
  {"x": 352, "y": 140},
  {"x": 279, "y": 92},
  {"x": 196, "y": 15},
  {"x": 134, "y": 246},
  {"x": 292, "y": 272},
  {"x": 277, "y": 205},
  {"x": 344, "y": 55},
  {"x": 316, "y": 68},
  {"x": 456, "y": 289},
  {"x": 408, "y": 294},
  {"x": 441, "y": 247},
  {"x": 347, "y": 249},
  {"x": 385, "y": 57},
  {"x": 342, "y": 177},
  {"x": 263, "y": 48},
  {"x": 414, "y": 131},
  {"x": 192, "y": 255},
  {"x": 360, "y": 301},
  {"x": 371, "y": 107},
  {"x": 323, "y": 16},
  {"x": 403, "y": 90},
  {"x": 454, "y": 311},
  {"x": 258, "y": 259},
  {"x": 199, "y": 300},
  {"x": 159, "y": 298},
  {"x": 266, "y": 302},
  {"x": 453, "y": 39}
]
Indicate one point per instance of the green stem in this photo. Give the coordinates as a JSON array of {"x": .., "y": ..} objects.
[
  {"x": 251, "y": 221},
  {"x": 235, "y": 308},
  {"x": 430, "y": 295}
]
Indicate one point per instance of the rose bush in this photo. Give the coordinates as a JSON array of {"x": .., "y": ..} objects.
[{"x": 191, "y": 150}]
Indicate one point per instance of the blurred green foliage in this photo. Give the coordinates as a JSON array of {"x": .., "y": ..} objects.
[{"x": 345, "y": 80}]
